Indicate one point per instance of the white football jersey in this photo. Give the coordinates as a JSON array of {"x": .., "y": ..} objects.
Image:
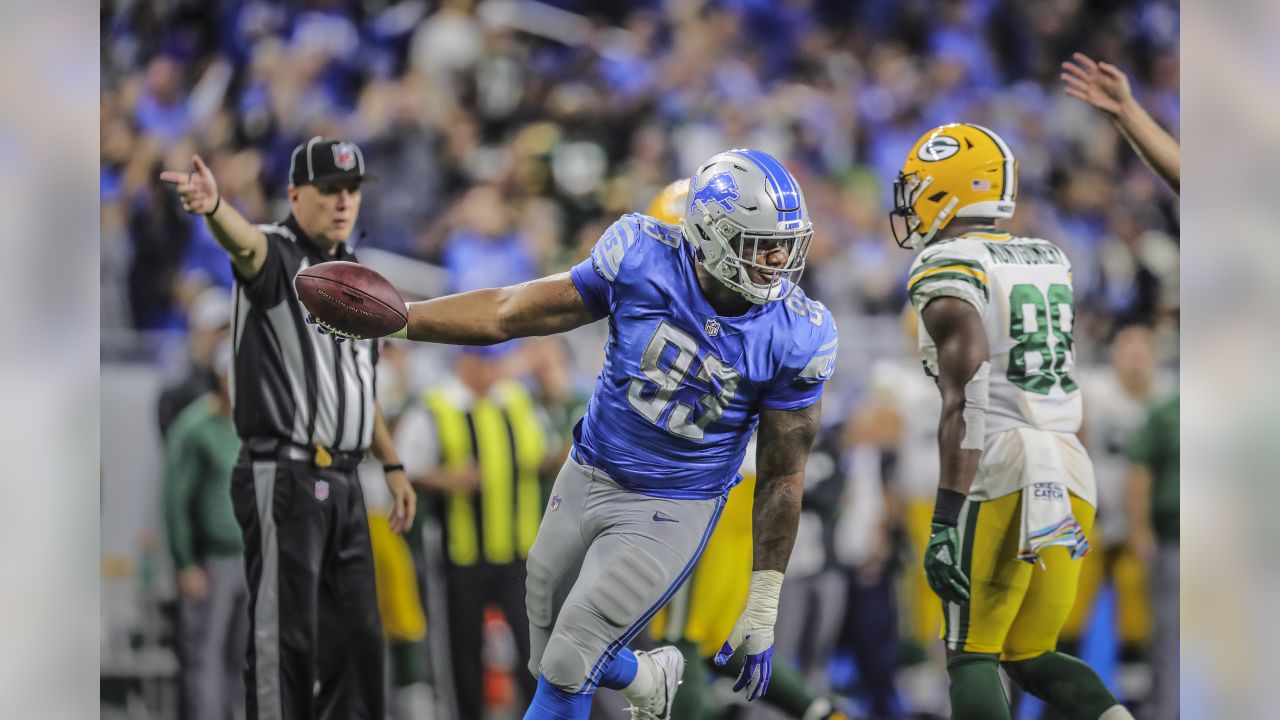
[{"x": 1022, "y": 289}]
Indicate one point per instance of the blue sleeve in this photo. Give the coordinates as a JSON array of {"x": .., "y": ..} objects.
[
  {"x": 596, "y": 292},
  {"x": 808, "y": 366},
  {"x": 597, "y": 277}
]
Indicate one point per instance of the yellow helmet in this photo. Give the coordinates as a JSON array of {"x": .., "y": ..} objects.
[
  {"x": 956, "y": 170},
  {"x": 668, "y": 206}
]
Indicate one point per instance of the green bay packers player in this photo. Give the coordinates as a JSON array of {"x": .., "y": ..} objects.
[{"x": 1016, "y": 491}]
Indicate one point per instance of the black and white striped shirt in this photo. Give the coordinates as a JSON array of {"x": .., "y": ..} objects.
[{"x": 289, "y": 382}]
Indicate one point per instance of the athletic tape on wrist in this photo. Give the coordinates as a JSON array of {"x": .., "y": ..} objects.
[
  {"x": 762, "y": 598},
  {"x": 976, "y": 393}
]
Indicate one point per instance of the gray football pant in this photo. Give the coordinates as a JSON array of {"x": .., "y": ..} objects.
[{"x": 604, "y": 562}]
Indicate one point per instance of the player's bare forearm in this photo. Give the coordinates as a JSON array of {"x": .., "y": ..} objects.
[
  {"x": 786, "y": 437},
  {"x": 956, "y": 328},
  {"x": 485, "y": 317},
  {"x": 1152, "y": 143}
]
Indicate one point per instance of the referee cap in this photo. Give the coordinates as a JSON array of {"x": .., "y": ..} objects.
[{"x": 320, "y": 159}]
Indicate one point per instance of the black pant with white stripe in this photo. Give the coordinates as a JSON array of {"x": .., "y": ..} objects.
[{"x": 315, "y": 647}]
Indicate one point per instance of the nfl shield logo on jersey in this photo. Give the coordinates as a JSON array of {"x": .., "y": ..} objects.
[
  {"x": 322, "y": 490},
  {"x": 344, "y": 155},
  {"x": 712, "y": 328},
  {"x": 555, "y": 503}
]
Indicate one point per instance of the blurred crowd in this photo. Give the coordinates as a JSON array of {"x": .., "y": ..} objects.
[
  {"x": 506, "y": 135},
  {"x": 519, "y": 130}
]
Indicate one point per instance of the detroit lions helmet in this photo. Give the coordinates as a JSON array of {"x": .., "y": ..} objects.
[
  {"x": 956, "y": 170},
  {"x": 743, "y": 204}
]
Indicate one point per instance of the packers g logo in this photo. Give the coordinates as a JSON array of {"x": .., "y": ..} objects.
[{"x": 939, "y": 147}]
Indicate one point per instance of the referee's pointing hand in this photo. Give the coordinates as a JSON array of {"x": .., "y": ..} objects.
[{"x": 197, "y": 189}]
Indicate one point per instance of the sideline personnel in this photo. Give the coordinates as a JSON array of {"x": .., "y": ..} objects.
[{"x": 306, "y": 412}]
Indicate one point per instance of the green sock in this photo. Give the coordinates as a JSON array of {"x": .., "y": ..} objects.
[
  {"x": 976, "y": 692},
  {"x": 693, "y": 701},
  {"x": 1065, "y": 683},
  {"x": 408, "y": 663}
]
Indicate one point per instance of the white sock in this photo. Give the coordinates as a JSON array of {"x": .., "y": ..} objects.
[
  {"x": 1115, "y": 712},
  {"x": 646, "y": 679}
]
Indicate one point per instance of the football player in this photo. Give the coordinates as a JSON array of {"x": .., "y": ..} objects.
[
  {"x": 702, "y": 612},
  {"x": 709, "y": 338},
  {"x": 1016, "y": 492}
]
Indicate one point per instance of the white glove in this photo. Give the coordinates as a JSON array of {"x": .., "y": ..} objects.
[{"x": 754, "y": 633}]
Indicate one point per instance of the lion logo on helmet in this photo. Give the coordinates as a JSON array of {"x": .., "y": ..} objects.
[{"x": 720, "y": 189}]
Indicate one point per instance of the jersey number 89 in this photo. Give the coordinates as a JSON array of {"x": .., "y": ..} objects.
[{"x": 652, "y": 402}]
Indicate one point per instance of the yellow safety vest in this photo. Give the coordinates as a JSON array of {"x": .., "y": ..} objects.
[{"x": 510, "y": 494}]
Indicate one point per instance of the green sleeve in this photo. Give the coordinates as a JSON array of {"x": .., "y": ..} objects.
[
  {"x": 182, "y": 468},
  {"x": 1141, "y": 444}
]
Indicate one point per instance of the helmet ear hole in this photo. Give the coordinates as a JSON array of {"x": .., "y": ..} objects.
[{"x": 938, "y": 196}]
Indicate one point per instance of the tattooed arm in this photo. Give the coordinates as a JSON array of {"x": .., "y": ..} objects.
[
  {"x": 785, "y": 438},
  {"x": 782, "y": 449}
]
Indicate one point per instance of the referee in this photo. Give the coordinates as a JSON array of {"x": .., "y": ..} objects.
[{"x": 306, "y": 413}]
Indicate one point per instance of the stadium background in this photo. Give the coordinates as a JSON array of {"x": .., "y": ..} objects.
[{"x": 507, "y": 135}]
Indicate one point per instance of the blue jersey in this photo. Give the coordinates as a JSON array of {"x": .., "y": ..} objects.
[{"x": 682, "y": 387}]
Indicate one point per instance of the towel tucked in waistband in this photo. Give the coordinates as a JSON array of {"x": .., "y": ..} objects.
[{"x": 1047, "y": 521}]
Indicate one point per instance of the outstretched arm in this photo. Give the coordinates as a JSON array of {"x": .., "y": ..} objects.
[
  {"x": 1105, "y": 87},
  {"x": 198, "y": 191},
  {"x": 485, "y": 317}
]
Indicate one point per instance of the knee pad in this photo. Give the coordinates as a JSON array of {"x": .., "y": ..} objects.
[
  {"x": 564, "y": 665},
  {"x": 538, "y": 588},
  {"x": 625, "y": 589}
]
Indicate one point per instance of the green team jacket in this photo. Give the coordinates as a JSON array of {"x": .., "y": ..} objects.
[{"x": 200, "y": 453}]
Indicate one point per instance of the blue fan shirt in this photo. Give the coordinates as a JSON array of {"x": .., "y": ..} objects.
[{"x": 682, "y": 387}]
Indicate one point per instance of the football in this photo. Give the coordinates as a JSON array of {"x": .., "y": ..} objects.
[{"x": 351, "y": 299}]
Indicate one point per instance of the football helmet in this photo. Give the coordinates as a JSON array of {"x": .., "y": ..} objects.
[
  {"x": 956, "y": 170},
  {"x": 669, "y": 204},
  {"x": 743, "y": 204}
]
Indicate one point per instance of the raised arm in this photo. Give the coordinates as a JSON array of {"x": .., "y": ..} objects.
[
  {"x": 784, "y": 440},
  {"x": 963, "y": 371},
  {"x": 545, "y": 306},
  {"x": 198, "y": 191},
  {"x": 1105, "y": 87}
]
